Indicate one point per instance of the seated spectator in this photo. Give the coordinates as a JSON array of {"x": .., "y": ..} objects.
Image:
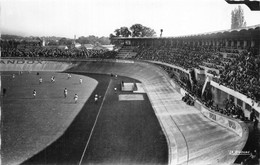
[{"x": 55, "y": 52}]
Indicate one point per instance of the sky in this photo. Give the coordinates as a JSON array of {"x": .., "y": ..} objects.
[{"x": 66, "y": 18}]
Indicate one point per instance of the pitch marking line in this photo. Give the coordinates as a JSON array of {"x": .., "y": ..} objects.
[{"x": 94, "y": 124}]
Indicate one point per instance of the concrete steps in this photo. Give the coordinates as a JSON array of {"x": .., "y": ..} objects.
[{"x": 126, "y": 52}]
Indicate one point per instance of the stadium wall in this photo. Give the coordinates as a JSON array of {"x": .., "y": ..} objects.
[
  {"x": 224, "y": 92},
  {"x": 33, "y": 65}
]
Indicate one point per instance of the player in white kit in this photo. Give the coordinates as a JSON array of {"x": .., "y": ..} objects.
[
  {"x": 96, "y": 99},
  {"x": 34, "y": 93},
  {"x": 40, "y": 80},
  {"x": 53, "y": 79},
  {"x": 80, "y": 80},
  {"x": 69, "y": 76},
  {"x": 76, "y": 98},
  {"x": 65, "y": 92}
]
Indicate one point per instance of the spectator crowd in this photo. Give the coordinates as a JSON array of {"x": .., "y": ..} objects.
[
  {"x": 184, "y": 57},
  {"x": 243, "y": 75},
  {"x": 239, "y": 70},
  {"x": 54, "y": 52}
]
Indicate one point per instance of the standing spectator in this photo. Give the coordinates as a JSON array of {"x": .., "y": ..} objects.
[{"x": 252, "y": 115}]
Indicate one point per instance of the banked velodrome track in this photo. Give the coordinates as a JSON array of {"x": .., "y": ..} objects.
[{"x": 191, "y": 137}]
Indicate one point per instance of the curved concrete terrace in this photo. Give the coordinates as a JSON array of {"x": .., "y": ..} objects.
[{"x": 192, "y": 138}]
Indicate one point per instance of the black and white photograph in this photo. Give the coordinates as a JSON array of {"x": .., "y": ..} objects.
[{"x": 130, "y": 82}]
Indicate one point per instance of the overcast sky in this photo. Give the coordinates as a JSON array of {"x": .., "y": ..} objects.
[{"x": 66, "y": 18}]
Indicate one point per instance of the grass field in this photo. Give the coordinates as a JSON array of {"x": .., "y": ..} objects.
[
  {"x": 30, "y": 124},
  {"x": 109, "y": 132}
]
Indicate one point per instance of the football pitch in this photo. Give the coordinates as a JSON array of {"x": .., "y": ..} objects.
[{"x": 109, "y": 131}]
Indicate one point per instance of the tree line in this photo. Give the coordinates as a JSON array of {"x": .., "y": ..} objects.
[
  {"x": 54, "y": 41},
  {"x": 136, "y": 30}
]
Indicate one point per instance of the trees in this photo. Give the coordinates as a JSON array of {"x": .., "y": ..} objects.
[
  {"x": 83, "y": 40},
  {"x": 123, "y": 31},
  {"x": 136, "y": 30},
  {"x": 139, "y": 30},
  {"x": 148, "y": 32},
  {"x": 65, "y": 41},
  {"x": 237, "y": 18}
]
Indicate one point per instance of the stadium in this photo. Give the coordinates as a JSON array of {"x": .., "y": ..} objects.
[
  {"x": 189, "y": 99},
  {"x": 148, "y": 98}
]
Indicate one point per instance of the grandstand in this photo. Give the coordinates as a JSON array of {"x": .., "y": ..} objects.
[
  {"x": 126, "y": 52},
  {"x": 217, "y": 57}
]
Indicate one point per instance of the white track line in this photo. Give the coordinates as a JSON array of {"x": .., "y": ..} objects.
[{"x": 94, "y": 125}]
